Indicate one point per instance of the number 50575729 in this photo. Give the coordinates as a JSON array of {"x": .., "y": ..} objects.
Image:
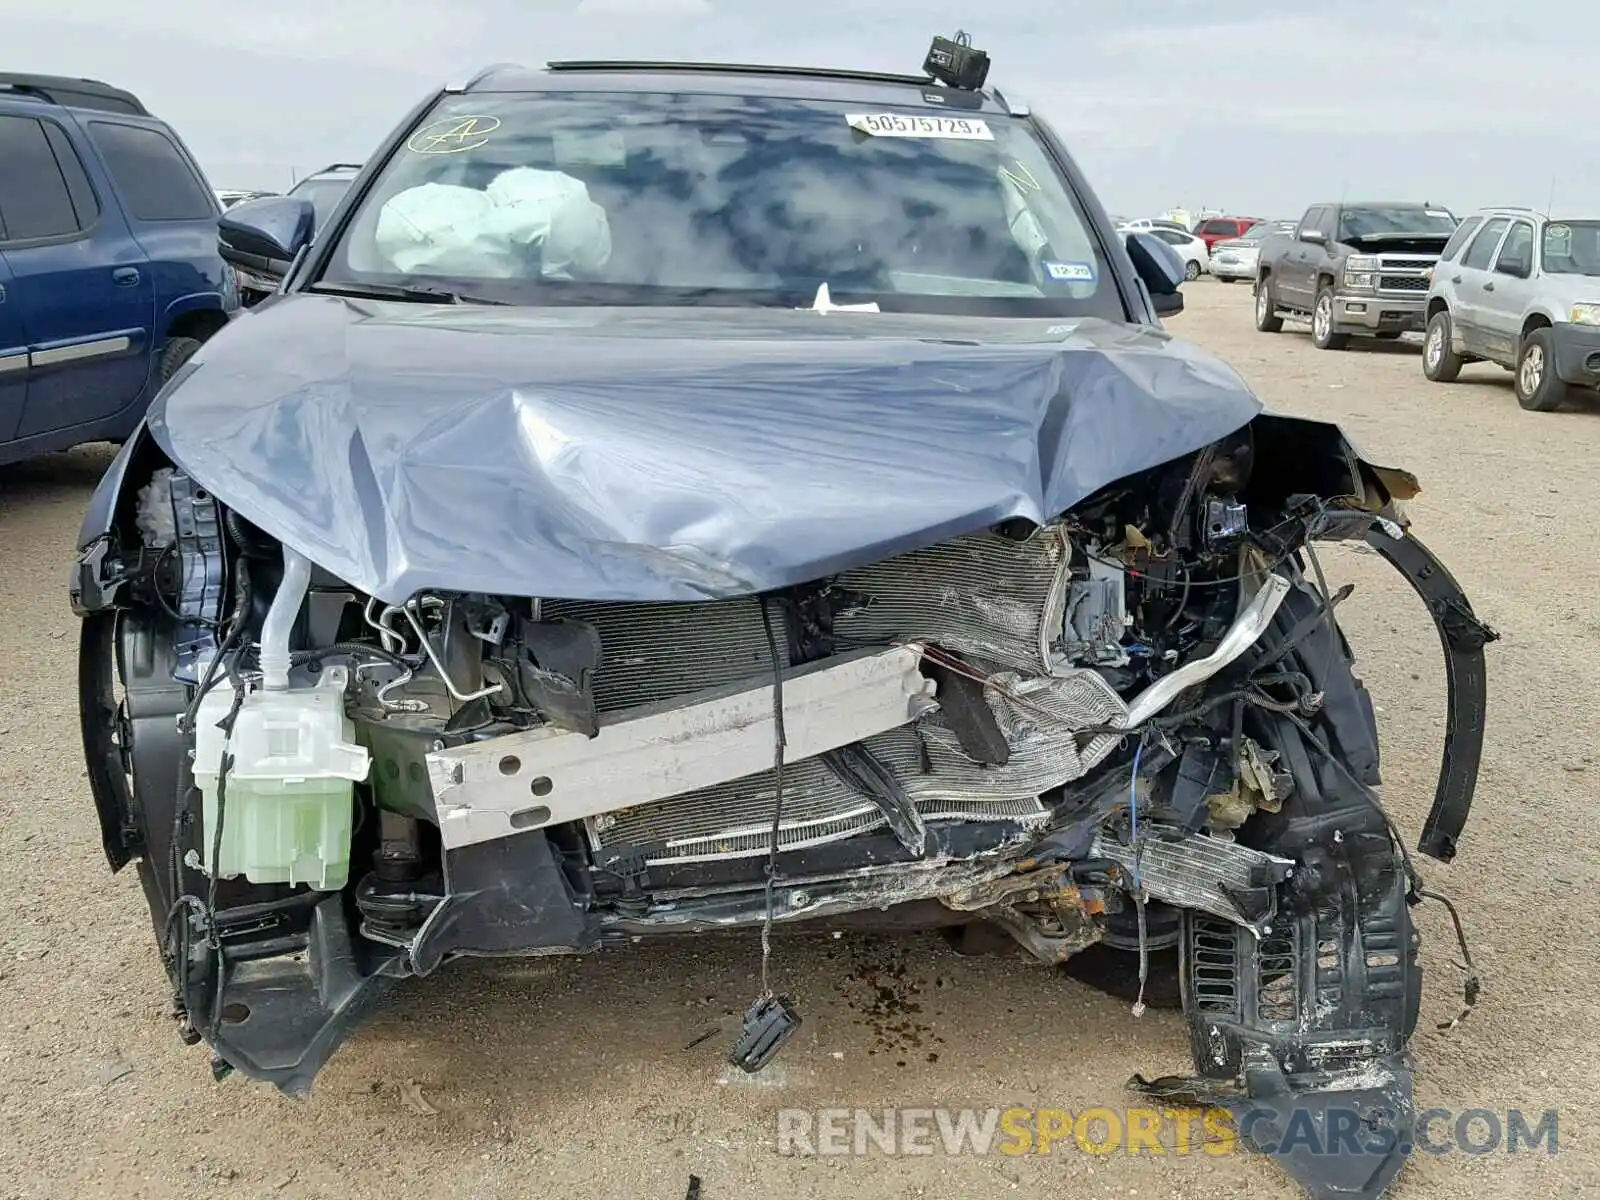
[{"x": 905, "y": 125}]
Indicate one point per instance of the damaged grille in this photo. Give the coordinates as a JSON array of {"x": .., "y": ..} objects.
[{"x": 993, "y": 600}]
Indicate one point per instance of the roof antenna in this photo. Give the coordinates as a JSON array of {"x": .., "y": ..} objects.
[{"x": 1550, "y": 204}]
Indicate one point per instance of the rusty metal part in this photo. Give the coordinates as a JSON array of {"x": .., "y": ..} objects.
[
  {"x": 1044, "y": 910},
  {"x": 1259, "y": 785}
]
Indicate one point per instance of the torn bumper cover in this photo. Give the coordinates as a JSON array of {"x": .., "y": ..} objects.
[{"x": 1062, "y": 670}]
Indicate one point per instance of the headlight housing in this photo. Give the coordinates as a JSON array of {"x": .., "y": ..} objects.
[
  {"x": 1361, "y": 262},
  {"x": 1362, "y": 281},
  {"x": 1586, "y": 314}
]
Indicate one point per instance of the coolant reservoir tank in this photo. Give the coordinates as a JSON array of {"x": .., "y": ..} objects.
[{"x": 287, "y": 805}]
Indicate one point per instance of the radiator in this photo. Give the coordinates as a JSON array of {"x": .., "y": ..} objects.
[{"x": 993, "y": 600}]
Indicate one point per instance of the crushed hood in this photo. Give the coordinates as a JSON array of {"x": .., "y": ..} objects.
[{"x": 655, "y": 454}]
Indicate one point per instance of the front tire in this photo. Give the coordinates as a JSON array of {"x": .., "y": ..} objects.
[
  {"x": 174, "y": 354},
  {"x": 1440, "y": 362},
  {"x": 1539, "y": 388},
  {"x": 1323, "y": 336},
  {"x": 1267, "y": 319}
]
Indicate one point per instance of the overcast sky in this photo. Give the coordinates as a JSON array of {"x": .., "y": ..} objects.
[{"x": 1252, "y": 107}]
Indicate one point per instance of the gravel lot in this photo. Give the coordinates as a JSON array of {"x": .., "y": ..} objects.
[{"x": 571, "y": 1078}]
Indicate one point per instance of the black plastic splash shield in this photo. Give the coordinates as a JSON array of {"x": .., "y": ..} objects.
[{"x": 1463, "y": 637}]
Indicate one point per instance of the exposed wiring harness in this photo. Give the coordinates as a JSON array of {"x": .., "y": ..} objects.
[
  {"x": 181, "y": 814},
  {"x": 779, "y": 742}
]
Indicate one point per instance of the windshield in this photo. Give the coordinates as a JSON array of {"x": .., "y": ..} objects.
[
  {"x": 324, "y": 195},
  {"x": 1403, "y": 220},
  {"x": 1263, "y": 229},
  {"x": 670, "y": 199},
  {"x": 1572, "y": 248}
]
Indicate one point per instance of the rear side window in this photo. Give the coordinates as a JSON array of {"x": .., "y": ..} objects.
[
  {"x": 156, "y": 181},
  {"x": 44, "y": 192},
  {"x": 1459, "y": 238},
  {"x": 1482, "y": 249}
]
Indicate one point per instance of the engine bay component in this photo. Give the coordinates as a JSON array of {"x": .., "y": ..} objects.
[
  {"x": 499, "y": 786},
  {"x": 276, "y": 769},
  {"x": 1205, "y": 874}
]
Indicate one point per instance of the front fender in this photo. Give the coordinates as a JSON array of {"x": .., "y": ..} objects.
[
  {"x": 223, "y": 303},
  {"x": 98, "y": 574}
]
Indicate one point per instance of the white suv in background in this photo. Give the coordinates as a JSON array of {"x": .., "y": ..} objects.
[{"x": 1518, "y": 289}]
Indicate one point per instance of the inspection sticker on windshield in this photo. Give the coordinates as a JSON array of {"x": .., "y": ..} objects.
[
  {"x": 1070, "y": 272},
  {"x": 968, "y": 129}
]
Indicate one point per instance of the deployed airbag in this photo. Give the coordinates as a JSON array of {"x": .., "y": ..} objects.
[{"x": 445, "y": 229}]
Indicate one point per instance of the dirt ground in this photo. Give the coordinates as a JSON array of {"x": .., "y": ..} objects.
[{"x": 572, "y": 1078}]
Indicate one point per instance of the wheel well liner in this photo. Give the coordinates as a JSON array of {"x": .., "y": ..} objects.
[
  {"x": 199, "y": 323},
  {"x": 1534, "y": 321}
]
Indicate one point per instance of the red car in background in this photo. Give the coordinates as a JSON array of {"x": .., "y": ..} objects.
[{"x": 1216, "y": 229}]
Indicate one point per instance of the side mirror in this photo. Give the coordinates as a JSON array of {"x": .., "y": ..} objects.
[
  {"x": 1315, "y": 236},
  {"x": 1521, "y": 268},
  {"x": 1160, "y": 267},
  {"x": 264, "y": 236}
]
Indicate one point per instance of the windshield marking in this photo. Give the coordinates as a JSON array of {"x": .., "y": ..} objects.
[
  {"x": 902, "y": 125},
  {"x": 453, "y": 135}
]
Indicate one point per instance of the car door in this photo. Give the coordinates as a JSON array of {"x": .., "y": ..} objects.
[
  {"x": 1468, "y": 278},
  {"x": 13, "y": 356},
  {"x": 1298, "y": 269},
  {"x": 1507, "y": 290},
  {"x": 78, "y": 276}
]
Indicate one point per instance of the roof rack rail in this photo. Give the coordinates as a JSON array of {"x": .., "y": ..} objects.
[
  {"x": 70, "y": 92},
  {"x": 576, "y": 65},
  {"x": 481, "y": 74}
]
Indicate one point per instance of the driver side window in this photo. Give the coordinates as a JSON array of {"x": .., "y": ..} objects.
[{"x": 1516, "y": 255}]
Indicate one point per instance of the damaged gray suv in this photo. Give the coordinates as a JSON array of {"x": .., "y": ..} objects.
[{"x": 672, "y": 498}]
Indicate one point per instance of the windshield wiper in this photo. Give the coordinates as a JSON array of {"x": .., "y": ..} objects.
[{"x": 391, "y": 291}]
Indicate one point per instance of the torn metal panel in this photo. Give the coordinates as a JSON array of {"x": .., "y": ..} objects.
[{"x": 1205, "y": 873}]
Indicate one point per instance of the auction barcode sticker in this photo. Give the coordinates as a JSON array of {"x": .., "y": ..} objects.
[{"x": 897, "y": 125}]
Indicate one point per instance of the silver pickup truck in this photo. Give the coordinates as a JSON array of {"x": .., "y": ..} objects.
[{"x": 1352, "y": 270}]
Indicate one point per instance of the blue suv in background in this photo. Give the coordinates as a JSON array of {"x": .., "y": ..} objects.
[{"x": 109, "y": 272}]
